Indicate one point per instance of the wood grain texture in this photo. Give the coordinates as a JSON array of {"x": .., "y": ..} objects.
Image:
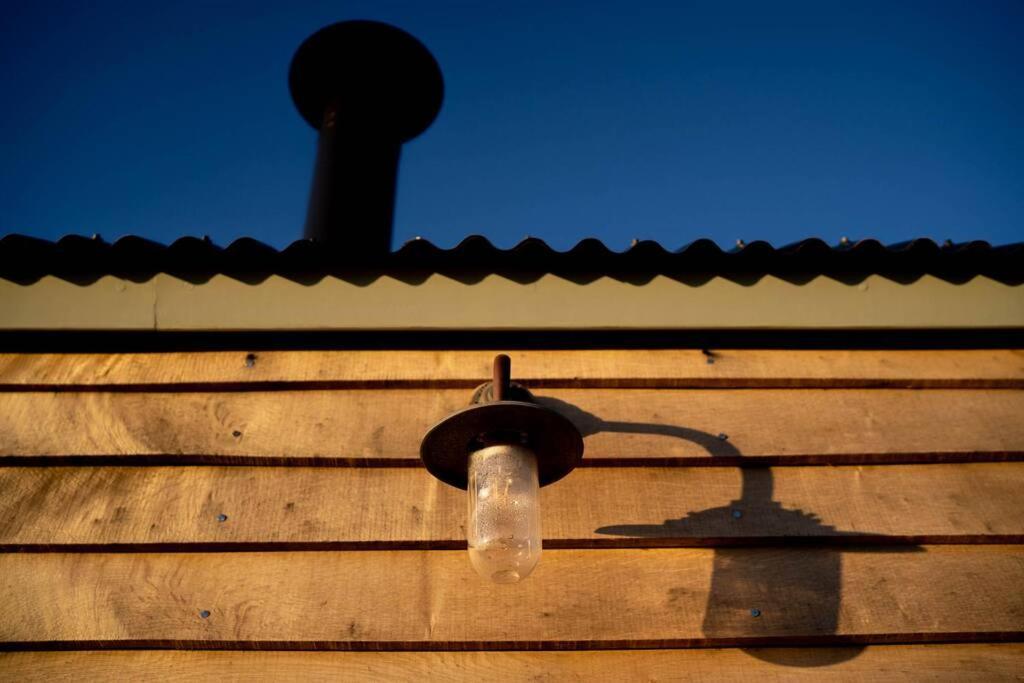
[
  {"x": 297, "y": 507},
  {"x": 621, "y": 426},
  {"x": 953, "y": 662},
  {"x": 597, "y": 368},
  {"x": 602, "y": 599}
]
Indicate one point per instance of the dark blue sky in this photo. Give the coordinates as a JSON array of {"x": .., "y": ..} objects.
[{"x": 667, "y": 121}]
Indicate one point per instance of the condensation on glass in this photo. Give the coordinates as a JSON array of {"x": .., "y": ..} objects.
[{"x": 503, "y": 529}]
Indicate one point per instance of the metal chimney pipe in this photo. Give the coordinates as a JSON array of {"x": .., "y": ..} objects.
[{"x": 367, "y": 87}]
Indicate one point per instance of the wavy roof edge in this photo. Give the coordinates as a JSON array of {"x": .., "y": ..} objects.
[
  {"x": 480, "y": 241},
  {"x": 26, "y": 258}
]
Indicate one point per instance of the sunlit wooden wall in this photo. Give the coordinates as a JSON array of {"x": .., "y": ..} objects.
[{"x": 740, "y": 513}]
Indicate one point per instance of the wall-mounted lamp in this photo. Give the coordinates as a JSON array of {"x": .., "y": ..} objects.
[{"x": 502, "y": 448}]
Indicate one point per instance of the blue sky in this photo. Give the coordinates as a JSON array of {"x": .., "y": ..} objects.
[{"x": 562, "y": 120}]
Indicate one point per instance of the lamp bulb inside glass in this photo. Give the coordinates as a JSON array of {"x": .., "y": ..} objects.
[{"x": 503, "y": 529}]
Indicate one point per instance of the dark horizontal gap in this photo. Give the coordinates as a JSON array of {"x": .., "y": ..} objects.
[
  {"x": 131, "y": 341},
  {"x": 643, "y": 383},
  {"x": 180, "y": 460},
  {"x": 747, "y": 461},
  {"x": 529, "y": 645},
  {"x": 848, "y": 542}
]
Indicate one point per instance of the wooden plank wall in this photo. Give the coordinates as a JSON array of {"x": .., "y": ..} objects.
[{"x": 788, "y": 514}]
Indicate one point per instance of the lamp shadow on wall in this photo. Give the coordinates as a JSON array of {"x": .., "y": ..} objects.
[{"x": 760, "y": 592}]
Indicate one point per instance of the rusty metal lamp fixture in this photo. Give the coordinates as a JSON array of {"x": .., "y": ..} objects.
[{"x": 502, "y": 449}]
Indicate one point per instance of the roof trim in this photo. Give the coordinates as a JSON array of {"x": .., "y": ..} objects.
[{"x": 497, "y": 303}]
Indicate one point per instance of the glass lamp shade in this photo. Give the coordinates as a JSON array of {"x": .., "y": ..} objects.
[{"x": 503, "y": 529}]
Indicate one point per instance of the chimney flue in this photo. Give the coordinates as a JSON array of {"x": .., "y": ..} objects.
[{"x": 367, "y": 87}]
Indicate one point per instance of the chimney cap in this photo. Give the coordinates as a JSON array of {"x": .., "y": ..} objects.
[{"x": 379, "y": 76}]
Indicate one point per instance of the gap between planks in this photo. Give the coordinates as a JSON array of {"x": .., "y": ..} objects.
[
  {"x": 953, "y": 662},
  {"x": 582, "y": 645}
]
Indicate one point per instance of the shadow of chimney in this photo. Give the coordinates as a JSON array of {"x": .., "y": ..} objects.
[{"x": 747, "y": 584}]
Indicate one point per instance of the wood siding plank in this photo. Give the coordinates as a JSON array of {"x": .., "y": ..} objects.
[
  {"x": 621, "y": 426},
  {"x": 954, "y": 662},
  {"x": 576, "y": 598},
  {"x": 296, "y": 507},
  {"x": 597, "y": 368}
]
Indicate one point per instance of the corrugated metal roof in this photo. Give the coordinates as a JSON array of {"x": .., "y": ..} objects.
[{"x": 84, "y": 259}]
